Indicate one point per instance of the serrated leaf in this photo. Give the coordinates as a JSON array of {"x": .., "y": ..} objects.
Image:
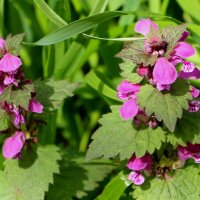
[
  {"x": 184, "y": 185},
  {"x": 165, "y": 106},
  {"x": 4, "y": 120},
  {"x": 135, "y": 52},
  {"x": 51, "y": 93},
  {"x": 117, "y": 136},
  {"x": 13, "y": 43},
  {"x": 29, "y": 178},
  {"x": 77, "y": 178},
  {"x": 128, "y": 72},
  {"x": 19, "y": 96},
  {"x": 187, "y": 130},
  {"x": 171, "y": 35}
]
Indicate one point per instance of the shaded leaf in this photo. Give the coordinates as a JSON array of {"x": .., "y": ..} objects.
[
  {"x": 51, "y": 93},
  {"x": 29, "y": 178},
  {"x": 117, "y": 136},
  {"x": 77, "y": 178},
  {"x": 19, "y": 96},
  {"x": 187, "y": 130},
  {"x": 4, "y": 120}
]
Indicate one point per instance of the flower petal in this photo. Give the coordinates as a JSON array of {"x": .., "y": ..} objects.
[
  {"x": 143, "y": 26},
  {"x": 194, "y": 106},
  {"x": 184, "y": 50},
  {"x": 188, "y": 66},
  {"x": 195, "y": 92},
  {"x": 129, "y": 109},
  {"x": 184, "y": 36},
  {"x": 164, "y": 72},
  {"x": 136, "y": 177},
  {"x": 183, "y": 153},
  {"x": 35, "y": 106},
  {"x": 138, "y": 164},
  {"x": 13, "y": 145},
  {"x": 195, "y": 74},
  {"x": 9, "y": 63},
  {"x": 127, "y": 89}
]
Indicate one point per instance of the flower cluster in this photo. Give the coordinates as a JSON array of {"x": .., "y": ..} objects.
[
  {"x": 163, "y": 61},
  {"x": 161, "y": 73},
  {"x": 137, "y": 165},
  {"x": 12, "y": 79}
]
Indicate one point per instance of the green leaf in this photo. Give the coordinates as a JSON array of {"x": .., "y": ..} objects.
[
  {"x": 19, "y": 96},
  {"x": 128, "y": 73},
  {"x": 184, "y": 185},
  {"x": 94, "y": 81},
  {"x": 187, "y": 130},
  {"x": 4, "y": 122},
  {"x": 77, "y": 178},
  {"x": 171, "y": 35},
  {"x": 55, "y": 18},
  {"x": 191, "y": 7},
  {"x": 135, "y": 52},
  {"x": 51, "y": 93},
  {"x": 165, "y": 106},
  {"x": 29, "y": 178},
  {"x": 13, "y": 43},
  {"x": 117, "y": 136},
  {"x": 83, "y": 25},
  {"x": 114, "y": 189}
]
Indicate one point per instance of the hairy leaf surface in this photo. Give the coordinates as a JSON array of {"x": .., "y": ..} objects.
[{"x": 119, "y": 137}]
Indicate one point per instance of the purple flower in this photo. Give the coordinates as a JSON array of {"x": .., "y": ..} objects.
[
  {"x": 190, "y": 151},
  {"x": 9, "y": 63},
  {"x": 164, "y": 72},
  {"x": 194, "y": 106},
  {"x": 143, "y": 26},
  {"x": 35, "y": 106},
  {"x": 194, "y": 91},
  {"x": 16, "y": 113},
  {"x": 136, "y": 178},
  {"x": 188, "y": 66},
  {"x": 195, "y": 74},
  {"x": 184, "y": 36},
  {"x": 137, "y": 165},
  {"x": 13, "y": 145},
  {"x": 127, "y": 92}
]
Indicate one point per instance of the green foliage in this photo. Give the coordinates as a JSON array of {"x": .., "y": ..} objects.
[
  {"x": 184, "y": 184},
  {"x": 119, "y": 137},
  {"x": 171, "y": 35},
  {"x": 4, "y": 122},
  {"x": 187, "y": 130},
  {"x": 51, "y": 93},
  {"x": 13, "y": 43},
  {"x": 29, "y": 178},
  {"x": 115, "y": 188},
  {"x": 77, "y": 178},
  {"x": 165, "y": 106},
  {"x": 135, "y": 52},
  {"x": 128, "y": 72},
  {"x": 19, "y": 97}
]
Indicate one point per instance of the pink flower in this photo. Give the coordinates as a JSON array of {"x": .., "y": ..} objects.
[
  {"x": 164, "y": 72},
  {"x": 184, "y": 50},
  {"x": 143, "y": 26},
  {"x": 127, "y": 92},
  {"x": 136, "y": 178},
  {"x": 35, "y": 106},
  {"x": 188, "y": 66},
  {"x": 13, "y": 145},
  {"x": 137, "y": 165},
  {"x": 190, "y": 151},
  {"x": 9, "y": 63},
  {"x": 194, "y": 106},
  {"x": 195, "y": 92},
  {"x": 195, "y": 74}
]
